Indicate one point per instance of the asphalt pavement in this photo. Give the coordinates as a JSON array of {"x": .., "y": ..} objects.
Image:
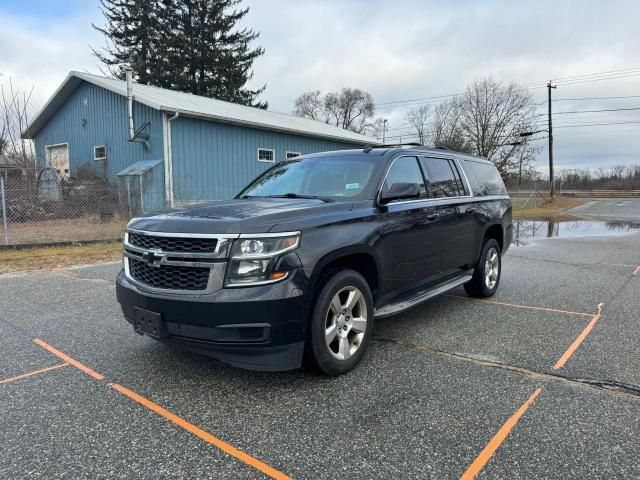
[{"x": 538, "y": 382}]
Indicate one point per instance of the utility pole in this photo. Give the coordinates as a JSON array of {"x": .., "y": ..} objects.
[
  {"x": 384, "y": 130},
  {"x": 552, "y": 190}
]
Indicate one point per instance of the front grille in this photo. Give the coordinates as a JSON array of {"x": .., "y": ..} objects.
[
  {"x": 169, "y": 277},
  {"x": 173, "y": 244}
]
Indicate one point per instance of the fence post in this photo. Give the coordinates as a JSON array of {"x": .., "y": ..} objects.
[{"x": 5, "y": 228}]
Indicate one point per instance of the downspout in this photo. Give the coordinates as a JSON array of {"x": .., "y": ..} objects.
[
  {"x": 132, "y": 129},
  {"x": 168, "y": 160}
]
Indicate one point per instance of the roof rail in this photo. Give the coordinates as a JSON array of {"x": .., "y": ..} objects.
[{"x": 369, "y": 147}]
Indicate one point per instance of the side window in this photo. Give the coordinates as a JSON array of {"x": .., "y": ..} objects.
[
  {"x": 444, "y": 178},
  {"x": 488, "y": 178},
  {"x": 405, "y": 170},
  {"x": 462, "y": 188}
]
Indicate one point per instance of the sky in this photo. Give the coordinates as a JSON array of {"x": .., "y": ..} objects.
[{"x": 400, "y": 50}]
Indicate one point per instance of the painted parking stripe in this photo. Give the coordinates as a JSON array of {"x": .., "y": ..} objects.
[
  {"x": 527, "y": 307},
  {"x": 637, "y": 270},
  {"x": 31, "y": 374},
  {"x": 497, "y": 440},
  {"x": 68, "y": 359},
  {"x": 579, "y": 339},
  {"x": 207, "y": 437}
]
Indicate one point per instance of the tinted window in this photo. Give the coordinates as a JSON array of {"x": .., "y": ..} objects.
[
  {"x": 445, "y": 181},
  {"x": 462, "y": 188},
  {"x": 405, "y": 170},
  {"x": 488, "y": 178}
]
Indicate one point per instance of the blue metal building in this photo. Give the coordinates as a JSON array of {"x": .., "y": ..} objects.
[{"x": 173, "y": 147}]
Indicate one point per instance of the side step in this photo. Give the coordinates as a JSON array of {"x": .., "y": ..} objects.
[{"x": 419, "y": 297}]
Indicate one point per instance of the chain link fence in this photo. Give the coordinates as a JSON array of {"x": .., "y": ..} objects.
[{"x": 39, "y": 207}]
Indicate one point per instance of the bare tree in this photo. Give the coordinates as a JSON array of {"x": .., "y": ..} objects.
[
  {"x": 446, "y": 128},
  {"x": 492, "y": 115},
  {"x": 15, "y": 106},
  {"x": 418, "y": 119},
  {"x": 310, "y": 105},
  {"x": 350, "y": 108}
]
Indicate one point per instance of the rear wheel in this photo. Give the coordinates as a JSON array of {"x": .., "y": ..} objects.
[
  {"x": 341, "y": 323},
  {"x": 486, "y": 276}
]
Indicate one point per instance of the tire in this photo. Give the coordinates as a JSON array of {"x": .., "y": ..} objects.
[
  {"x": 486, "y": 276},
  {"x": 343, "y": 303}
]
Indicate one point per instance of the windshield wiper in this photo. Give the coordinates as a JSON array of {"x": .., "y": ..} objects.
[{"x": 296, "y": 195}]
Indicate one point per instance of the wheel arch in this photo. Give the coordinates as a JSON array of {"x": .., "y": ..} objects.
[{"x": 359, "y": 258}]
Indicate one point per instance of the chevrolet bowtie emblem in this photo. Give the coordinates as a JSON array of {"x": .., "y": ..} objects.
[{"x": 154, "y": 259}]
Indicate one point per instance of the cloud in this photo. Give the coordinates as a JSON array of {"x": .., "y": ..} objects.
[{"x": 395, "y": 50}]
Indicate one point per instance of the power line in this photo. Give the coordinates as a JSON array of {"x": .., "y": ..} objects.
[
  {"x": 593, "y": 98},
  {"x": 586, "y": 75},
  {"x": 595, "y": 124},
  {"x": 595, "y": 111},
  {"x": 570, "y": 80}
]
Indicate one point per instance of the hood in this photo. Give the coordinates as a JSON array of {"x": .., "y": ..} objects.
[{"x": 252, "y": 215}]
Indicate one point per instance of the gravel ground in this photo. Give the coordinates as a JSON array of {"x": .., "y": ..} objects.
[{"x": 437, "y": 384}]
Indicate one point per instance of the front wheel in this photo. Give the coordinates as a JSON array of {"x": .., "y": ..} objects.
[
  {"x": 486, "y": 276},
  {"x": 341, "y": 323}
]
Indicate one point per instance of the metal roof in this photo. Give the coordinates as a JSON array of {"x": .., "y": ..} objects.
[
  {"x": 138, "y": 168},
  {"x": 196, "y": 106}
]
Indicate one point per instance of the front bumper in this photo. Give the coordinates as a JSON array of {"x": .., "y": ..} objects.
[{"x": 257, "y": 328}]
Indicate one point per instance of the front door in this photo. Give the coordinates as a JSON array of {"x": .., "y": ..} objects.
[
  {"x": 58, "y": 158},
  {"x": 410, "y": 235}
]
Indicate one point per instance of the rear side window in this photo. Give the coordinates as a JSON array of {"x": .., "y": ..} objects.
[
  {"x": 444, "y": 178},
  {"x": 488, "y": 178},
  {"x": 405, "y": 170}
]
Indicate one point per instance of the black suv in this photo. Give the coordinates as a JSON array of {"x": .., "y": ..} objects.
[{"x": 304, "y": 258}]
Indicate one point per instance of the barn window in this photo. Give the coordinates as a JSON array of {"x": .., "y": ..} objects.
[
  {"x": 100, "y": 152},
  {"x": 292, "y": 155},
  {"x": 266, "y": 155}
]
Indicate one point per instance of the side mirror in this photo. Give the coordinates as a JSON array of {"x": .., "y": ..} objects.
[{"x": 400, "y": 191}]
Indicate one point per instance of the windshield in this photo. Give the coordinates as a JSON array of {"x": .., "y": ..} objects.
[{"x": 331, "y": 178}]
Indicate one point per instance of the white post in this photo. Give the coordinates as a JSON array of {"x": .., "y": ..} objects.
[{"x": 5, "y": 228}]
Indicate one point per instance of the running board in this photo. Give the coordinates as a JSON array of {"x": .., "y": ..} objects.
[{"x": 423, "y": 296}]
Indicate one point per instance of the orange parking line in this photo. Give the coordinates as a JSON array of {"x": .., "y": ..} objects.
[
  {"x": 68, "y": 359},
  {"x": 35, "y": 372},
  {"x": 637, "y": 270},
  {"x": 486, "y": 454},
  {"x": 515, "y": 305},
  {"x": 578, "y": 341},
  {"x": 207, "y": 437}
]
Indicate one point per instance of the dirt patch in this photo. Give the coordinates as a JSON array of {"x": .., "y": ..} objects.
[
  {"x": 551, "y": 210},
  {"x": 47, "y": 258}
]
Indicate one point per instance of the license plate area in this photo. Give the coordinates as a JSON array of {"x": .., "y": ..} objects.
[{"x": 149, "y": 323}]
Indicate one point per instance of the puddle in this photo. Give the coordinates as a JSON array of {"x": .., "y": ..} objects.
[{"x": 526, "y": 230}]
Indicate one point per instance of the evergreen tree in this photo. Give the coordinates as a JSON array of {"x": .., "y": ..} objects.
[
  {"x": 131, "y": 27},
  {"x": 187, "y": 45}
]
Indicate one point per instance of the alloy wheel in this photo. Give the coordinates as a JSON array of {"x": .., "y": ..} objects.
[
  {"x": 346, "y": 322},
  {"x": 491, "y": 268}
]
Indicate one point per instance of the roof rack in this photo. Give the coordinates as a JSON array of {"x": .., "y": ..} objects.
[{"x": 369, "y": 147}]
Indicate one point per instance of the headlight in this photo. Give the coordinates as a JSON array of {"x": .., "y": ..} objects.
[{"x": 252, "y": 259}]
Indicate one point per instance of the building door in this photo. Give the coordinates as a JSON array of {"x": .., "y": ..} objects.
[{"x": 58, "y": 158}]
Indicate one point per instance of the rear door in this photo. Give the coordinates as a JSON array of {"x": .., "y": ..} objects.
[
  {"x": 410, "y": 234},
  {"x": 456, "y": 213}
]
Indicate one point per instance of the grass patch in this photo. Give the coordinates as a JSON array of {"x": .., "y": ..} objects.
[
  {"x": 46, "y": 258},
  {"x": 550, "y": 210}
]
